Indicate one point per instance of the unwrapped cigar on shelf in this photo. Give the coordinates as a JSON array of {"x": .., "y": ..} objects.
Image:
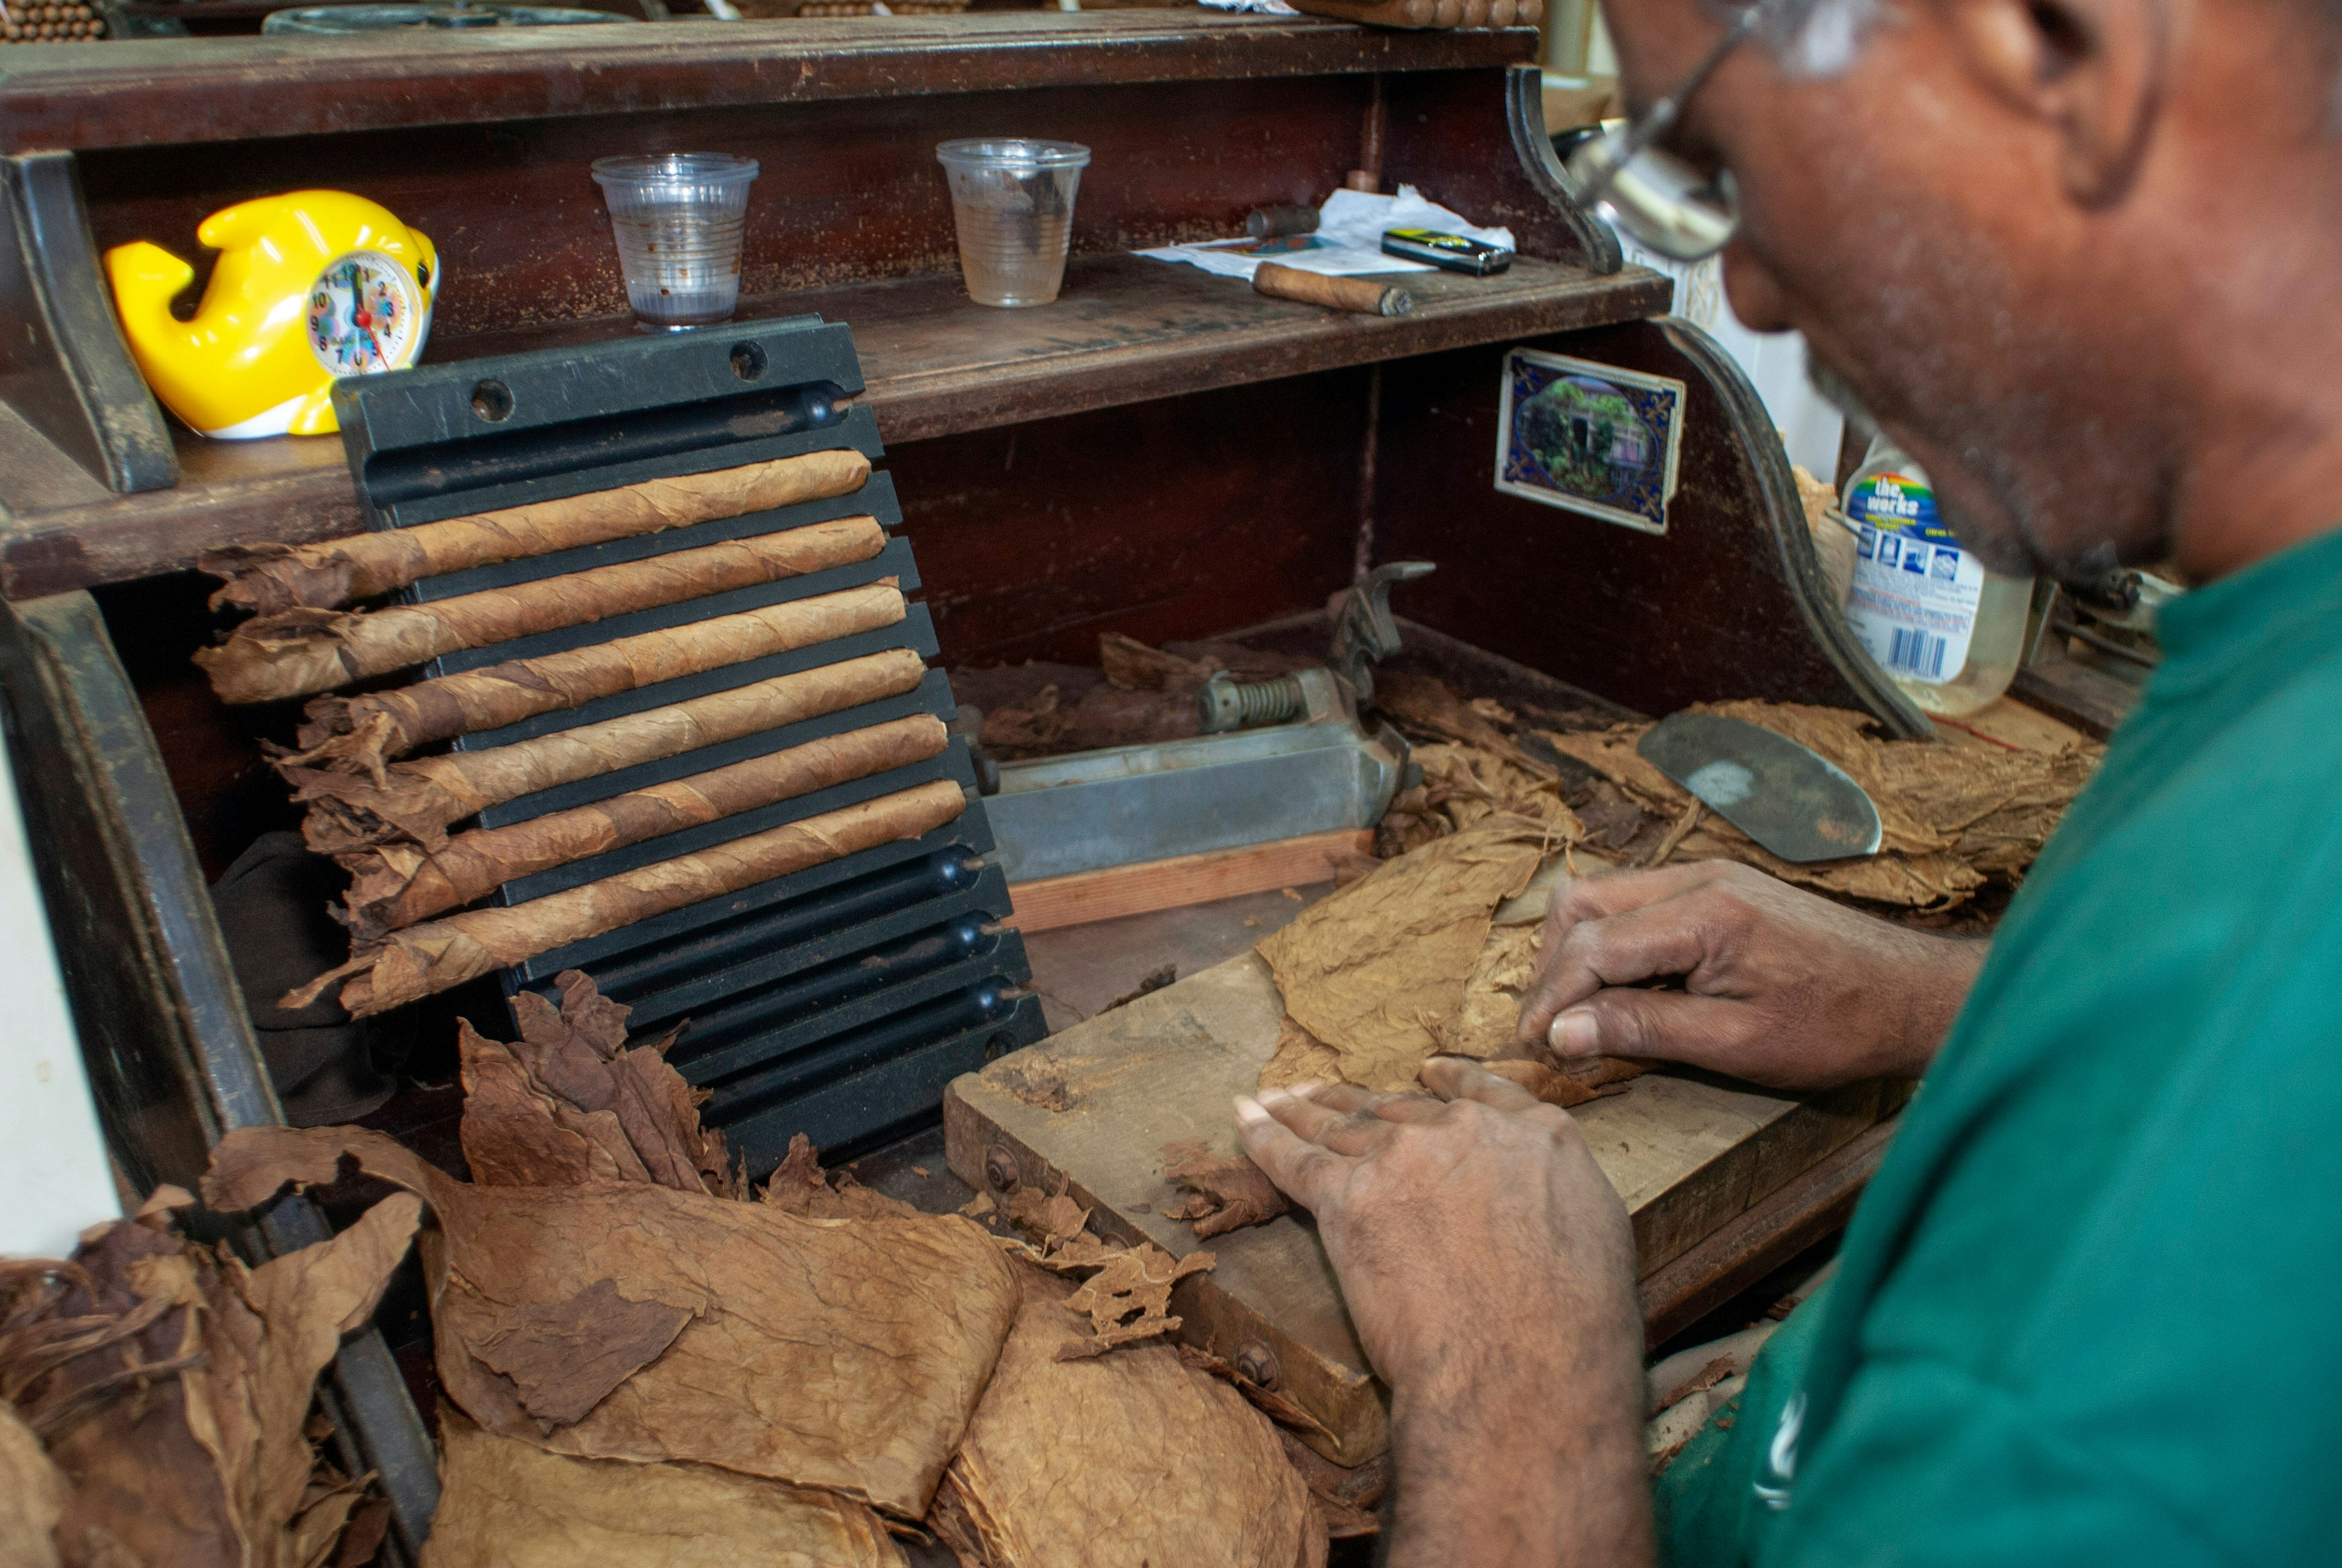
[
  {"x": 396, "y": 885},
  {"x": 437, "y": 955},
  {"x": 268, "y": 579},
  {"x": 300, "y": 651},
  {"x": 360, "y": 733},
  {"x": 416, "y": 801}
]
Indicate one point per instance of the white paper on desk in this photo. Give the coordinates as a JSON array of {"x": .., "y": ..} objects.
[
  {"x": 1303, "y": 252},
  {"x": 1350, "y": 229},
  {"x": 1361, "y": 218}
]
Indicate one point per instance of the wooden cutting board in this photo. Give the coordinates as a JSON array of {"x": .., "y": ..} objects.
[{"x": 1094, "y": 1105}]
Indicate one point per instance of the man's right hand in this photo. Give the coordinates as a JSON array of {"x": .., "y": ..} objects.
[{"x": 1781, "y": 987}]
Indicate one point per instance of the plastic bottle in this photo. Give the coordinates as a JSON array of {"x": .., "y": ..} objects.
[{"x": 1944, "y": 629}]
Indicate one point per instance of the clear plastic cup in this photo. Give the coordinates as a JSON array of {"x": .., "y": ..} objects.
[
  {"x": 1013, "y": 201},
  {"x": 678, "y": 218}
]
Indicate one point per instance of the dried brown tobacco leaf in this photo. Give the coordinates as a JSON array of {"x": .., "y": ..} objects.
[
  {"x": 568, "y": 1105},
  {"x": 799, "y": 1186},
  {"x": 517, "y": 1134},
  {"x": 1300, "y": 1057},
  {"x": 1424, "y": 702},
  {"x": 564, "y": 1357},
  {"x": 1347, "y": 1498},
  {"x": 1135, "y": 667},
  {"x": 431, "y": 957},
  {"x": 1574, "y": 1083},
  {"x": 1269, "y": 1401},
  {"x": 1492, "y": 995},
  {"x": 1362, "y": 968},
  {"x": 359, "y": 735},
  {"x": 1051, "y": 1218},
  {"x": 32, "y": 1497},
  {"x": 509, "y": 1504},
  {"x": 416, "y": 800},
  {"x": 1951, "y": 818},
  {"x": 1128, "y": 1461},
  {"x": 395, "y": 885},
  {"x": 1129, "y": 1297},
  {"x": 874, "y": 1335},
  {"x": 1234, "y": 1190},
  {"x": 181, "y": 1427},
  {"x": 269, "y": 578},
  {"x": 301, "y": 651}
]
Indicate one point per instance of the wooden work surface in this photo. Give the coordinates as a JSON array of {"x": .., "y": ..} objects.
[{"x": 1687, "y": 1153}]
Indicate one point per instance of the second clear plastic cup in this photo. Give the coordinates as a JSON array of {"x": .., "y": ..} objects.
[
  {"x": 1012, "y": 201},
  {"x": 678, "y": 218}
]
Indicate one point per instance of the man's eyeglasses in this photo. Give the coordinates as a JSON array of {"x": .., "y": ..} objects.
[{"x": 1661, "y": 201}]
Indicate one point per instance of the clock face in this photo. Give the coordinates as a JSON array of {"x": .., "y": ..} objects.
[{"x": 364, "y": 314}]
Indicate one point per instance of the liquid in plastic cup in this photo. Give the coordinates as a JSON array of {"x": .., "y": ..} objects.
[
  {"x": 1013, "y": 202},
  {"x": 678, "y": 218}
]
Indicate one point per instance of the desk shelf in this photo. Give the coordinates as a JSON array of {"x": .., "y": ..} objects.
[{"x": 1126, "y": 330}]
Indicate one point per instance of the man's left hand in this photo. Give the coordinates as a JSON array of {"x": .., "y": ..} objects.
[{"x": 1489, "y": 1269}]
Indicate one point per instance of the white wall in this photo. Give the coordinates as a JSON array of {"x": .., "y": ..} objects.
[
  {"x": 1774, "y": 362},
  {"x": 54, "y": 1178}
]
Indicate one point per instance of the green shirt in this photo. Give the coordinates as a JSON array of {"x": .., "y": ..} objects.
[{"x": 2090, "y": 1309}]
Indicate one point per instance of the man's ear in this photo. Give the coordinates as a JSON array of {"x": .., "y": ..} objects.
[{"x": 2092, "y": 70}]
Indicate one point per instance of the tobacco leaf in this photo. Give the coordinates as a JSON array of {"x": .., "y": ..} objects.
[
  {"x": 1051, "y": 1219},
  {"x": 1376, "y": 972},
  {"x": 416, "y": 801},
  {"x": 1574, "y": 1083},
  {"x": 1129, "y": 1296},
  {"x": 568, "y": 1105},
  {"x": 1346, "y": 1496},
  {"x": 874, "y": 1335},
  {"x": 1268, "y": 1401},
  {"x": 512, "y": 1504},
  {"x": 799, "y": 1187},
  {"x": 431, "y": 957},
  {"x": 1234, "y": 1190},
  {"x": 564, "y": 1357},
  {"x": 359, "y": 735},
  {"x": 1128, "y": 1461},
  {"x": 176, "y": 1391},
  {"x": 395, "y": 885},
  {"x": 1952, "y": 817},
  {"x": 1135, "y": 667},
  {"x": 268, "y": 578},
  {"x": 1300, "y": 1057},
  {"x": 31, "y": 1496},
  {"x": 301, "y": 651},
  {"x": 1424, "y": 702}
]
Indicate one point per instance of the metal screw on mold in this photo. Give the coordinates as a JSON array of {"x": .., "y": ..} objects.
[
  {"x": 1000, "y": 1171},
  {"x": 1223, "y": 703},
  {"x": 1258, "y": 1363}
]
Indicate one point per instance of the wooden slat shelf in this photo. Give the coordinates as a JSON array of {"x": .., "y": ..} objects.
[
  {"x": 1126, "y": 330},
  {"x": 133, "y": 93}
]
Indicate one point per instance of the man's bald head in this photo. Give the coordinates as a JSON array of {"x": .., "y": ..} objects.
[{"x": 2074, "y": 254}]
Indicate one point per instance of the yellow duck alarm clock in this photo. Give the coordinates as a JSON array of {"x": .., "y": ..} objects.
[{"x": 310, "y": 285}]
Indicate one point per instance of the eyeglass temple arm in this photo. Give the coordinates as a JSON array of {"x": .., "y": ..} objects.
[{"x": 1654, "y": 121}]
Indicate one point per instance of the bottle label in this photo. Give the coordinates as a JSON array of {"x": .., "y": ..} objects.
[{"x": 1913, "y": 598}]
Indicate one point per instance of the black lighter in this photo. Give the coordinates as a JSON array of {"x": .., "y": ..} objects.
[{"x": 1451, "y": 251}]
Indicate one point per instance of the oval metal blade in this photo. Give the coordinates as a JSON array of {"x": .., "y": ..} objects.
[{"x": 1795, "y": 801}]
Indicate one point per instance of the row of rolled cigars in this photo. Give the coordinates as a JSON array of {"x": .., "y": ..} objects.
[
  {"x": 643, "y": 1360},
  {"x": 386, "y": 816}
]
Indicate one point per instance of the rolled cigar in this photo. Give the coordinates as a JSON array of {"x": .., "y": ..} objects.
[
  {"x": 299, "y": 652},
  {"x": 360, "y": 733},
  {"x": 439, "y": 954},
  {"x": 397, "y": 885},
  {"x": 1362, "y": 295},
  {"x": 418, "y": 799},
  {"x": 268, "y": 579}
]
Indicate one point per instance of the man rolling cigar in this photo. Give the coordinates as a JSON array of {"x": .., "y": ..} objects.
[{"x": 2076, "y": 256}]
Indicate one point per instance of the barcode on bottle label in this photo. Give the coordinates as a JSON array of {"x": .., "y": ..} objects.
[{"x": 1917, "y": 654}]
